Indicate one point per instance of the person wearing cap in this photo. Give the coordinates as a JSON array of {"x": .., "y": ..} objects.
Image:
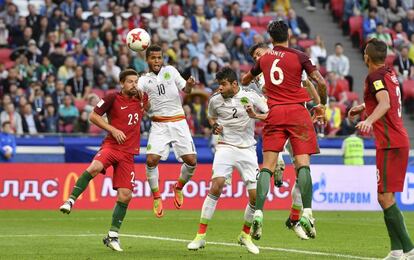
[{"x": 247, "y": 34}]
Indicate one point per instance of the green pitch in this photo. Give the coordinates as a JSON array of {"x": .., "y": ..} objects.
[{"x": 52, "y": 235}]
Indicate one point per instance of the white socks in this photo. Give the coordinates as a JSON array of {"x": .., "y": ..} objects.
[
  {"x": 187, "y": 172},
  {"x": 296, "y": 197},
  {"x": 209, "y": 206},
  {"x": 152, "y": 177},
  {"x": 248, "y": 213}
]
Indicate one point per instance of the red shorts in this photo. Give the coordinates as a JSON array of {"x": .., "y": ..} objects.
[
  {"x": 123, "y": 164},
  {"x": 291, "y": 122},
  {"x": 391, "y": 169}
]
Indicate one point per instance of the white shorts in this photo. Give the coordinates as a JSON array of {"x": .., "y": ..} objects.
[
  {"x": 162, "y": 134},
  {"x": 244, "y": 159}
]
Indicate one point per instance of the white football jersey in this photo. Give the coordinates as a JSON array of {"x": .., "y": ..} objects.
[
  {"x": 238, "y": 127},
  {"x": 163, "y": 91}
]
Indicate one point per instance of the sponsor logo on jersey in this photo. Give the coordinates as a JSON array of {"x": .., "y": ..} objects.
[
  {"x": 244, "y": 101},
  {"x": 148, "y": 147},
  {"x": 378, "y": 84},
  {"x": 122, "y": 108}
]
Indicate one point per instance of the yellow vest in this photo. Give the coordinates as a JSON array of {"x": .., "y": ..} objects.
[{"x": 353, "y": 151}]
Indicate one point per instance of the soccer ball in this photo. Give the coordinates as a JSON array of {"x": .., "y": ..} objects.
[{"x": 138, "y": 39}]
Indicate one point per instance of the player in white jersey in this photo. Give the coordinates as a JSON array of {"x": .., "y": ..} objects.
[
  {"x": 236, "y": 148},
  {"x": 292, "y": 222},
  {"x": 163, "y": 85}
]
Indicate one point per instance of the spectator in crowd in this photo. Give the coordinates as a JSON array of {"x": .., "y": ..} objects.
[
  {"x": 69, "y": 7},
  {"x": 95, "y": 20},
  {"x": 247, "y": 34},
  {"x": 80, "y": 86},
  {"x": 212, "y": 68},
  {"x": 184, "y": 60},
  {"x": 218, "y": 48},
  {"x": 7, "y": 142},
  {"x": 380, "y": 10},
  {"x": 407, "y": 4},
  {"x": 68, "y": 114},
  {"x": 10, "y": 114},
  {"x": 235, "y": 14},
  {"x": 353, "y": 150},
  {"x": 206, "y": 34},
  {"x": 208, "y": 56},
  {"x": 176, "y": 20},
  {"x": 47, "y": 8},
  {"x": 82, "y": 123},
  {"x": 30, "y": 121},
  {"x": 135, "y": 20},
  {"x": 334, "y": 118},
  {"x": 298, "y": 25},
  {"x": 165, "y": 32},
  {"x": 403, "y": 65},
  {"x": 83, "y": 32},
  {"x": 189, "y": 118},
  {"x": 395, "y": 13},
  {"x": 195, "y": 71},
  {"x": 198, "y": 18},
  {"x": 399, "y": 37},
  {"x": 370, "y": 22},
  {"x": 196, "y": 47},
  {"x": 51, "y": 119},
  {"x": 318, "y": 51},
  {"x": 76, "y": 21},
  {"x": 4, "y": 33},
  {"x": 408, "y": 23},
  {"x": 339, "y": 64},
  {"x": 11, "y": 15},
  {"x": 239, "y": 51},
  {"x": 199, "y": 111},
  {"x": 67, "y": 70},
  {"x": 380, "y": 34},
  {"x": 166, "y": 9},
  {"x": 218, "y": 22},
  {"x": 209, "y": 8}
]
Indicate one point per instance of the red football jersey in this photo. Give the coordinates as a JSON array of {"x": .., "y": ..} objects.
[
  {"x": 282, "y": 70},
  {"x": 124, "y": 114},
  {"x": 389, "y": 131}
]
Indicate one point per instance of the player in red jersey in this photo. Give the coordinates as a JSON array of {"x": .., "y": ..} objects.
[
  {"x": 382, "y": 97},
  {"x": 288, "y": 119},
  {"x": 124, "y": 112}
]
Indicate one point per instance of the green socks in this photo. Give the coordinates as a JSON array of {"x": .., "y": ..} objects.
[
  {"x": 81, "y": 185},
  {"x": 262, "y": 187},
  {"x": 118, "y": 216},
  {"x": 305, "y": 186},
  {"x": 394, "y": 220}
]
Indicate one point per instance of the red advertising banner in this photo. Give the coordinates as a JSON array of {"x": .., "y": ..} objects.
[{"x": 46, "y": 186}]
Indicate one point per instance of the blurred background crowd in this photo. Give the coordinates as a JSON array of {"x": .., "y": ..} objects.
[{"x": 58, "y": 58}]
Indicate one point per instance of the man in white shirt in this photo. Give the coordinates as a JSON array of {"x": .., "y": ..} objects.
[
  {"x": 169, "y": 127},
  {"x": 236, "y": 148}
]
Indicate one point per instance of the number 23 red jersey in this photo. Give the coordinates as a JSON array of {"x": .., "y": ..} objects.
[
  {"x": 124, "y": 113},
  {"x": 282, "y": 69},
  {"x": 389, "y": 130}
]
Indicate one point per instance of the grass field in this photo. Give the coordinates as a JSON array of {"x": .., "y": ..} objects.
[{"x": 51, "y": 235}]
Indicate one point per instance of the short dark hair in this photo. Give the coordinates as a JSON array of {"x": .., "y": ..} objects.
[
  {"x": 278, "y": 30},
  {"x": 152, "y": 48},
  {"x": 125, "y": 73},
  {"x": 227, "y": 74},
  {"x": 338, "y": 44},
  {"x": 260, "y": 45},
  {"x": 376, "y": 50}
]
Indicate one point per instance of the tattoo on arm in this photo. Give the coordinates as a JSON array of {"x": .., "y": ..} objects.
[{"x": 316, "y": 76}]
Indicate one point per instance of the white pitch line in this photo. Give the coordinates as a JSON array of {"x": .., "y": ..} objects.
[{"x": 297, "y": 251}]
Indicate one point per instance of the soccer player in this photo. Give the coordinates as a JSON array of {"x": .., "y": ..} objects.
[
  {"x": 382, "y": 97},
  {"x": 236, "y": 148},
  {"x": 288, "y": 119},
  {"x": 124, "y": 112},
  {"x": 256, "y": 51},
  {"x": 163, "y": 85}
]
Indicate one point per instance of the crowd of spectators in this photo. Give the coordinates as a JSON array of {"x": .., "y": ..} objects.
[
  {"x": 391, "y": 21},
  {"x": 67, "y": 54}
]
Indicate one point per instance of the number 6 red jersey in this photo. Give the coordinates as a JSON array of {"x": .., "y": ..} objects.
[
  {"x": 124, "y": 113},
  {"x": 282, "y": 69},
  {"x": 389, "y": 130}
]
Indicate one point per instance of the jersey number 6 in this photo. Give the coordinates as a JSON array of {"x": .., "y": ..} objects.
[{"x": 275, "y": 69}]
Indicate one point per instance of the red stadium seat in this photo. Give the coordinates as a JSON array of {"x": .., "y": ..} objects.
[
  {"x": 408, "y": 89},
  {"x": 306, "y": 43},
  {"x": 355, "y": 28},
  {"x": 80, "y": 104},
  {"x": 245, "y": 67},
  {"x": 5, "y": 54},
  {"x": 237, "y": 30},
  {"x": 111, "y": 91},
  {"x": 98, "y": 92},
  {"x": 337, "y": 7},
  {"x": 252, "y": 20},
  {"x": 265, "y": 20},
  {"x": 389, "y": 61},
  {"x": 259, "y": 29}
]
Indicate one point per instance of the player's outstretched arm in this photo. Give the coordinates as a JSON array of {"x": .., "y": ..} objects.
[
  {"x": 98, "y": 121},
  {"x": 383, "y": 106},
  {"x": 320, "y": 81},
  {"x": 247, "y": 78}
]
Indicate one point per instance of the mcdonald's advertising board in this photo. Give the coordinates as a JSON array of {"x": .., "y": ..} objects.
[{"x": 47, "y": 186}]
